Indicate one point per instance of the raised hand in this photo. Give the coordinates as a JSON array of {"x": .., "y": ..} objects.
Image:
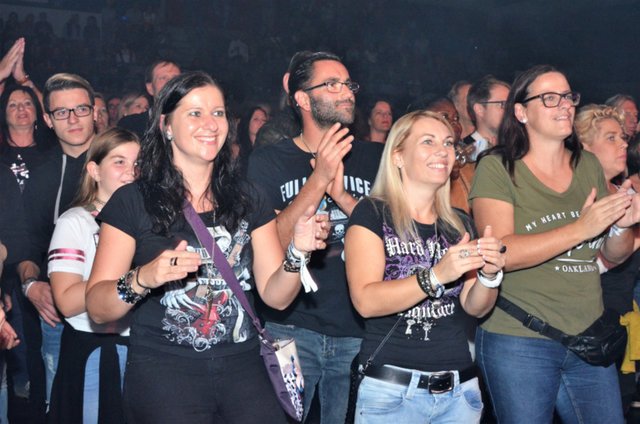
[
  {"x": 18, "y": 70},
  {"x": 632, "y": 214},
  {"x": 492, "y": 252},
  {"x": 170, "y": 265},
  {"x": 597, "y": 216},
  {"x": 458, "y": 260},
  {"x": 333, "y": 147},
  {"x": 311, "y": 230},
  {"x": 8, "y": 62}
]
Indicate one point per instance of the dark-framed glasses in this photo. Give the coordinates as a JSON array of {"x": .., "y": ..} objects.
[
  {"x": 500, "y": 103},
  {"x": 64, "y": 113},
  {"x": 552, "y": 99},
  {"x": 336, "y": 86}
]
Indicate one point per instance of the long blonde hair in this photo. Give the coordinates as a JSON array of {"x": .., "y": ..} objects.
[{"x": 389, "y": 188}]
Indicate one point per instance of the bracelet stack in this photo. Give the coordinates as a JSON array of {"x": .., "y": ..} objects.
[
  {"x": 491, "y": 283},
  {"x": 294, "y": 258},
  {"x": 126, "y": 292},
  {"x": 429, "y": 283}
]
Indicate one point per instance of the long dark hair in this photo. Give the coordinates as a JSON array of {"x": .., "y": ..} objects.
[
  {"x": 162, "y": 184},
  {"x": 513, "y": 141},
  {"x": 42, "y": 135},
  {"x": 244, "y": 142}
]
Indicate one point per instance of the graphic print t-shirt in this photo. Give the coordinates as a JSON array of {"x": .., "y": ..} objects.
[
  {"x": 431, "y": 335},
  {"x": 282, "y": 169},
  {"x": 198, "y": 316},
  {"x": 564, "y": 291}
]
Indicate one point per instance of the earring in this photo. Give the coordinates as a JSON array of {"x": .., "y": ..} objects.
[
  {"x": 169, "y": 136},
  {"x": 523, "y": 120}
]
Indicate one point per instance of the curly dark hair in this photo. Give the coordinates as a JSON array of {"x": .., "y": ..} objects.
[
  {"x": 513, "y": 140},
  {"x": 162, "y": 184}
]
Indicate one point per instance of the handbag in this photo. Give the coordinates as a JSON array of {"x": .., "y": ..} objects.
[
  {"x": 602, "y": 343},
  {"x": 280, "y": 356}
]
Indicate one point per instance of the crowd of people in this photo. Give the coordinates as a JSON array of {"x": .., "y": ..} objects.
[{"x": 415, "y": 234}]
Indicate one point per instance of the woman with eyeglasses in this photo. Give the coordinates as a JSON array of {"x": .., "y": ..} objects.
[
  {"x": 415, "y": 276},
  {"x": 547, "y": 200}
]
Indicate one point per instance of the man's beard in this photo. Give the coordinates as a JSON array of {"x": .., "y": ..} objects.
[{"x": 325, "y": 113}]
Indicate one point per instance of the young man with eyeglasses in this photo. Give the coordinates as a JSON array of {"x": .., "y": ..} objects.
[
  {"x": 69, "y": 111},
  {"x": 323, "y": 167},
  {"x": 485, "y": 105}
]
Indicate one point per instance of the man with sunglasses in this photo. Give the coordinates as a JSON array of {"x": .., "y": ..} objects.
[
  {"x": 321, "y": 166},
  {"x": 485, "y": 105},
  {"x": 69, "y": 111}
]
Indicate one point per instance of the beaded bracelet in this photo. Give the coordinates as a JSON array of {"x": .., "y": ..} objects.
[
  {"x": 293, "y": 259},
  {"x": 429, "y": 284},
  {"x": 125, "y": 291}
]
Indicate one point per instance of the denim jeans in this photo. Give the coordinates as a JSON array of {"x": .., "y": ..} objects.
[
  {"x": 4, "y": 399},
  {"x": 50, "y": 352},
  {"x": 91, "y": 399},
  {"x": 380, "y": 402},
  {"x": 527, "y": 378},
  {"x": 326, "y": 363}
]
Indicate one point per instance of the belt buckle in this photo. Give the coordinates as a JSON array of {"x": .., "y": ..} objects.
[{"x": 441, "y": 382}]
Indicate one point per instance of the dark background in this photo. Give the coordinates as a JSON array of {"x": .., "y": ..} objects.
[{"x": 406, "y": 50}]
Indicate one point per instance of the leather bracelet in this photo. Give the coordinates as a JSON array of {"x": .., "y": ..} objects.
[
  {"x": 294, "y": 258},
  {"x": 147, "y": 289}
]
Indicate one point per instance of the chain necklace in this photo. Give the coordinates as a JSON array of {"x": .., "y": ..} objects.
[{"x": 307, "y": 146}]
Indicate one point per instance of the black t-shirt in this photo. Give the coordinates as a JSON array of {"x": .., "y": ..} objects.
[
  {"x": 431, "y": 335},
  {"x": 618, "y": 284},
  {"x": 22, "y": 159},
  {"x": 198, "y": 316},
  {"x": 282, "y": 169}
]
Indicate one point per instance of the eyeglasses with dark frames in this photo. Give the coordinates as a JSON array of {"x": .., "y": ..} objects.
[
  {"x": 551, "y": 99},
  {"x": 64, "y": 113},
  {"x": 335, "y": 86},
  {"x": 500, "y": 103}
]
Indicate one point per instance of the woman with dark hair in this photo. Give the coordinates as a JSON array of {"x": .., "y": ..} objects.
[
  {"x": 194, "y": 353},
  {"x": 24, "y": 137},
  {"x": 250, "y": 123},
  {"x": 92, "y": 356},
  {"x": 548, "y": 202}
]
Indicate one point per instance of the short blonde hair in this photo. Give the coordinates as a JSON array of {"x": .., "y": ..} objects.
[
  {"x": 588, "y": 118},
  {"x": 389, "y": 188}
]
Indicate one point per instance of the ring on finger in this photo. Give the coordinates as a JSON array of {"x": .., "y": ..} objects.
[
  {"x": 503, "y": 249},
  {"x": 173, "y": 261},
  {"x": 464, "y": 253}
]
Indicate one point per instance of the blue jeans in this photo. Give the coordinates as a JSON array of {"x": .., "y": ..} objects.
[
  {"x": 4, "y": 399},
  {"x": 50, "y": 352},
  {"x": 326, "y": 363},
  {"x": 91, "y": 399},
  {"x": 380, "y": 402},
  {"x": 527, "y": 378}
]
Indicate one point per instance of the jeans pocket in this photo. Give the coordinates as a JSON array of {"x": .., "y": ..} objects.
[
  {"x": 376, "y": 397},
  {"x": 472, "y": 396}
]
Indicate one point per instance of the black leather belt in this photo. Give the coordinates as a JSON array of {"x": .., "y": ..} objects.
[{"x": 435, "y": 382}]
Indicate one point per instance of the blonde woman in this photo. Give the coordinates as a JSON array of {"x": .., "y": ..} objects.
[{"x": 417, "y": 280}]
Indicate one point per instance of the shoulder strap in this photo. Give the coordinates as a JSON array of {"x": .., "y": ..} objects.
[
  {"x": 532, "y": 322},
  {"x": 220, "y": 261}
]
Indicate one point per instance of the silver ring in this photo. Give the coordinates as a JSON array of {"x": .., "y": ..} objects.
[
  {"x": 464, "y": 253},
  {"x": 173, "y": 261}
]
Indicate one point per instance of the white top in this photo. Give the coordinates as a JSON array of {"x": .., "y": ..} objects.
[{"x": 73, "y": 249}]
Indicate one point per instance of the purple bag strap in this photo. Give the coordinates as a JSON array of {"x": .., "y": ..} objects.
[{"x": 220, "y": 261}]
